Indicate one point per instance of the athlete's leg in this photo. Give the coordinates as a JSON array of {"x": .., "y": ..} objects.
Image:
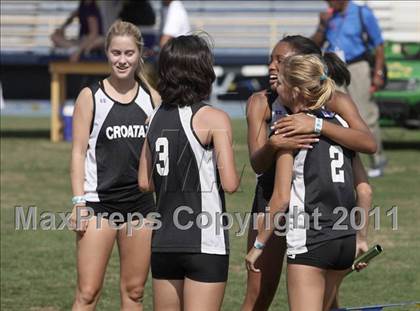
[
  {"x": 168, "y": 295},
  {"x": 203, "y": 296},
  {"x": 305, "y": 287},
  {"x": 261, "y": 287},
  {"x": 134, "y": 252},
  {"x": 333, "y": 280},
  {"x": 93, "y": 250}
]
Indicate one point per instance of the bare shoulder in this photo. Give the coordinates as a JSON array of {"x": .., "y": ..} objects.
[
  {"x": 258, "y": 99},
  {"x": 258, "y": 106},
  {"x": 84, "y": 100},
  {"x": 85, "y": 95},
  {"x": 213, "y": 117}
]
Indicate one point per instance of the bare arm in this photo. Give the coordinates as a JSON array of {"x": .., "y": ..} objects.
[
  {"x": 82, "y": 118},
  {"x": 378, "y": 77},
  {"x": 221, "y": 133},
  {"x": 278, "y": 204},
  {"x": 279, "y": 200},
  {"x": 364, "y": 200},
  {"x": 262, "y": 150},
  {"x": 88, "y": 41},
  {"x": 319, "y": 36},
  {"x": 69, "y": 20},
  {"x": 145, "y": 169},
  {"x": 357, "y": 137}
]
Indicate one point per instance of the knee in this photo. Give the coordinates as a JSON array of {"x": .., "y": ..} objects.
[
  {"x": 134, "y": 292},
  {"x": 87, "y": 295}
]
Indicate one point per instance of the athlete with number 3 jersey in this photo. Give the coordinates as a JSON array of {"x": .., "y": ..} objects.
[{"x": 188, "y": 160}]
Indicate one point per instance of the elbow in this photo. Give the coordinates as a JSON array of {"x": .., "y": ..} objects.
[
  {"x": 279, "y": 203},
  {"x": 364, "y": 190},
  {"x": 371, "y": 146},
  {"x": 144, "y": 185},
  {"x": 231, "y": 187}
]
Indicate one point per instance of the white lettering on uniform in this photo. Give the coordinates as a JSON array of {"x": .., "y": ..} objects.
[
  {"x": 109, "y": 132},
  {"x": 117, "y": 132},
  {"x": 124, "y": 131}
]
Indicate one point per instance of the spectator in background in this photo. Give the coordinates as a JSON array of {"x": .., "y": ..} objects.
[
  {"x": 90, "y": 31},
  {"x": 174, "y": 21},
  {"x": 110, "y": 11},
  {"x": 343, "y": 27}
]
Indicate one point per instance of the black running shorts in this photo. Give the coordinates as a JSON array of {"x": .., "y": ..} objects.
[
  {"x": 335, "y": 254},
  {"x": 198, "y": 267}
]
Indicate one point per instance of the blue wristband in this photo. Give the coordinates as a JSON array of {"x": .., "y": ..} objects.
[
  {"x": 318, "y": 125},
  {"x": 78, "y": 199},
  {"x": 258, "y": 244}
]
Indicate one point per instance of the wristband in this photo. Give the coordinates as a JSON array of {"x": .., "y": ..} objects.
[
  {"x": 78, "y": 199},
  {"x": 318, "y": 125},
  {"x": 258, "y": 244}
]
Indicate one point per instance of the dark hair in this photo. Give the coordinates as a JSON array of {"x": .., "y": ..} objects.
[
  {"x": 185, "y": 71},
  {"x": 337, "y": 70}
]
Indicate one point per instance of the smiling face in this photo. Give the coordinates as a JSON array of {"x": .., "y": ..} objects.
[
  {"x": 279, "y": 53},
  {"x": 124, "y": 56}
]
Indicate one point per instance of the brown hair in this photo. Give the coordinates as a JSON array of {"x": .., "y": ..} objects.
[
  {"x": 309, "y": 75},
  {"x": 186, "y": 70}
]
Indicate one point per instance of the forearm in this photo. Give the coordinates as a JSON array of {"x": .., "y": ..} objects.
[
  {"x": 379, "y": 59},
  {"x": 357, "y": 140},
  {"x": 364, "y": 200},
  {"x": 263, "y": 158},
  {"x": 319, "y": 36},
  {"x": 276, "y": 211},
  {"x": 69, "y": 20},
  {"x": 77, "y": 173}
]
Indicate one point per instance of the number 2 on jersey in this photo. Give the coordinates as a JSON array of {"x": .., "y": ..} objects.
[
  {"x": 336, "y": 154},
  {"x": 162, "y": 149}
]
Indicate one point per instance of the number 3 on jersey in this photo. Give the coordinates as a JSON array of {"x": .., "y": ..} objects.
[
  {"x": 336, "y": 154},
  {"x": 162, "y": 149}
]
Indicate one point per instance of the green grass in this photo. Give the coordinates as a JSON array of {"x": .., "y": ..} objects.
[{"x": 38, "y": 267}]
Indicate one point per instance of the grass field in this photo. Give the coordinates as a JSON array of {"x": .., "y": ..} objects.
[{"x": 38, "y": 267}]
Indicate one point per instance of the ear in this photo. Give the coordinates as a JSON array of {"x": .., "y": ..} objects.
[{"x": 295, "y": 93}]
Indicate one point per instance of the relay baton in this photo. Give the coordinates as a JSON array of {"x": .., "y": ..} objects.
[{"x": 366, "y": 257}]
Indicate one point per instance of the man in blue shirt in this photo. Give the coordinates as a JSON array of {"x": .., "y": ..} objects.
[{"x": 343, "y": 27}]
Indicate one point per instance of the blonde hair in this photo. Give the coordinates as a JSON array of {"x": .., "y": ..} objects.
[
  {"x": 309, "y": 75},
  {"x": 121, "y": 28}
]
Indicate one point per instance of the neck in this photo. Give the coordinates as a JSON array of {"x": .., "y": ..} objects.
[{"x": 122, "y": 85}]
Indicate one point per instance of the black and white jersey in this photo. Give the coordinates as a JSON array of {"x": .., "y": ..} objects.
[
  {"x": 115, "y": 143},
  {"x": 187, "y": 185},
  {"x": 322, "y": 181}
]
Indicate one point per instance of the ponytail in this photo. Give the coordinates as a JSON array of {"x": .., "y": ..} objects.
[
  {"x": 337, "y": 69},
  {"x": 309, "y": 75}
]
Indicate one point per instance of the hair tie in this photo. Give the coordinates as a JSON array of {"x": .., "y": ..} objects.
[{"x": 323, "y": 77}]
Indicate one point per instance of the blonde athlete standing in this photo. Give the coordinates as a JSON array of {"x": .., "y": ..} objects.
[{"x": 109, "y": 130}]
